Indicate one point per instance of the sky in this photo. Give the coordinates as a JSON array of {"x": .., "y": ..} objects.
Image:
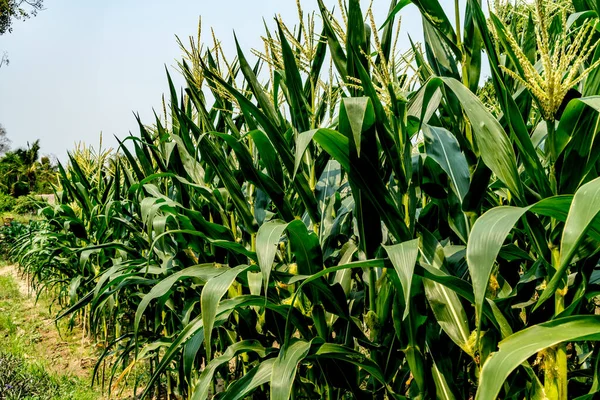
[{"x": 84, "y": 67}]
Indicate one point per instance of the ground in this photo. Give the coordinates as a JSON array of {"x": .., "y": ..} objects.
[{"x": 37, "y": 360}]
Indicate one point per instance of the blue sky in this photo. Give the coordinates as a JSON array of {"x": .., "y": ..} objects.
[{"x": 83, "y": 67}]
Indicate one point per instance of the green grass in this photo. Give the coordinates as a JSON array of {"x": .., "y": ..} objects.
[
  {"x": 8, "y": 292},
  {"x": 24, "y": 379},
  {"x": 8, "y": 289},
  {"x": 22, "y": 218},
  {"x": 24, "y": 371}
]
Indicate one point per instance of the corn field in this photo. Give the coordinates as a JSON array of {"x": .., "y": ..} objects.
[{"x": 333, "y": 217}]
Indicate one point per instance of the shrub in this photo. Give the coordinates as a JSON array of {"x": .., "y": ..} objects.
[
  {"x": 19, "y": 189},
  {"x": 28, "y": 205},
  {"x": 7, "y": 202},
  {"x": 19, "y": 381}
]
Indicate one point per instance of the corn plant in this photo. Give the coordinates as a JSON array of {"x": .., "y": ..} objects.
[{"x": 339, "y": 218}]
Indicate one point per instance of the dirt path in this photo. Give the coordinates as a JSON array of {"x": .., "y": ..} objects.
[
  {"x": 65, "y": 353},
  {"x": 11, "y": 270}
]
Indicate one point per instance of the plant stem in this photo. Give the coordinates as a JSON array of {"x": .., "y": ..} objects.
[
  {"x": 561, "y": 350},
  {"x": 555, "y": 379},
  {"x": 551, "y": 143},
  {"x": 561, "y": 364},
  {"x": 372, "y": 289},
  {"x": 457, "y": 21}
]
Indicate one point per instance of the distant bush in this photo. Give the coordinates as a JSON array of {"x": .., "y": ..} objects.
[
  {"x": 19, "y": 189},
  {"x": 10, "y": 233},
  {"x": 27, "y": 205},
  {"x": 7, "y": 202}
]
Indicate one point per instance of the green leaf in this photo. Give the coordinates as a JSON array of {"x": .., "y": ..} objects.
[
  {"x": 395, "y": 10},
  {"x": 518, "y": 347},
  {"x": 404, "y": 257},
  {"x": 449, "y": 312},
  {"x": 356, "y": 41},
  {"x": 584, "y": 209},
  {"x": 577, "y": 137},
  {"x": 515, "y": 119},
  {"x": 278, "y": 140},
  {"x": 191, "y": 329},
  {"x": 359, "y": 113},
  {"x": 443, "y": 390},
  {"x": 268, "y": 155},
  {"x": 299, "y": 107},
  {"x": 439, "y": 55},
  {"x": 367, "y": 179},
  {"x": 210, "y": 297},
  {"x": 225, "y": 308},
  {"x": 433, "y": 12},
  {"x": 203, "y": 271},
  {"x": 259, "y": 93},
  {"x": 486, "y": 239},
  {"x": 226, "y": 244},
  {"x": 268, "y": 185},
  {"x": 302, "y": 144},
  {"x": 306, "y": 248},
  {"x": 335, "y": 46},
  {"x": 343, "y": 353},
  {"x": 252, "y": 379},
  {"x": 493, "y": 143},
  {"x": 211, "y": 153},
  {"x": 472, "y": 48},
  {"x": 245, "y": 346},
  {"x": 267, "y": 239},
  {"x": 284, "y": 369},
  {"x": 488, "y": 235},
  {"x": 444, "y": 149},
  {"x": 356, "y": 122}
]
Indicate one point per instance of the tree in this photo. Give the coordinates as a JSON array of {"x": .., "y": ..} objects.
[
  {"x": 29, "y": 164},
  {"x": 4, "y": 140},
  {"x": 11, "y": 10},
  {"x": 10, "y": 172},
  {"x": 22, "y": 171},
  {"x": 46, "y": 176}
]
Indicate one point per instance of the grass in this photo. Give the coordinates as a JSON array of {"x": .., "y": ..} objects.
[
  {"x": 24, "y": 379},
  {"x": 33, "y": 355},
  {"x": 12, "y": 216}
]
